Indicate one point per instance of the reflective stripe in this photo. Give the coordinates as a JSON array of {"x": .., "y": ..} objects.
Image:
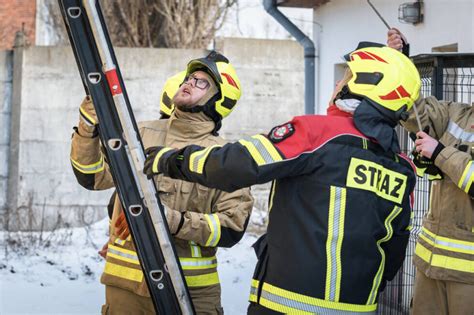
[
  {"x": 412, "y": 219},
  {"x": 261, "y": 149},
  {"x": 215, "y": 226},
  {"x": 364, "y": 144},
  {"x": 123, "y": 272},
  {"x": 378, "y": 276},
  {"x": 272, "y": 195},
  {"x": 459, "y": 133},
  {"x": 285, "y": 301},
  {"x": 89, "y": 168},
  {"x": 119, "y": 241},
  {"x": 253, "y": 291},
  {"x": 202, "y": 280},
  {"x": 198, "y": 263},
  {"x": 123, "y": 254},
  {"x": 197, "y": 159},
  {"x": 86, "y": 118},
  {"x": 337, "y": 209},
  {"x": 467, "y": 177},
  {"x": 195, "y": 249},
  {"x": 442, "y": 261},
  {"x": 447, "y": 243},
  {"x": 154, "y": 167}
]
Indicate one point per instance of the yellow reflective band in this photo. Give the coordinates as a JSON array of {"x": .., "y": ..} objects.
[
  {"x": 195, "y": 249},
  {"x": 269, "y": 148},
  {"x": 119, "y": 241},
  {"x": 198, "y": 158},
  {"x": 154, "y": 167},
  {"x": 91, "y": 121},
  {"x": 215, "y": 226},
  {"x": 447, "y": 243},
  {"x": 272, "y": 195},
  {"x": 123, "y": 254},
  {"x": 253, "y": 291},
  {"x": 198, "y": 263},
  {"x": 123, "y": 272},
  {"x": 370, "y": 176},
  {"x": 202, "y": 280},
  {"x": 285, "y": 301},
  {"x": 364, "y": 143},
  {"x": 89, "y": 168},
  {"x": 467, "y": 177},
  {"x": 257, "y": 157},
  {"x": 412, "y": 218},
  {"x": 442, "y": 261},
  {"x": 261, "y": 150},
  {"x": 337, "y": 210},
  {"x": 378, "y": 276}
]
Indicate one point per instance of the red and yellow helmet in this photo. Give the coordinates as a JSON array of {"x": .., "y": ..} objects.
[
  {"x": 169, "y": 90},
  {"x": 227, "y": 81},
  {"x": 385, "y": 76}
]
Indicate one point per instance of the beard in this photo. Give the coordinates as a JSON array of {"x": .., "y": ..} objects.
[{"x": 181, "y": 103}]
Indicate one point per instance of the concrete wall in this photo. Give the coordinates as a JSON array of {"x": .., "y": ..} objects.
[
  {"x": 42, "y": 187},
  {"x": 341, "y": 24},
  {"x": 6, "y": 68}
]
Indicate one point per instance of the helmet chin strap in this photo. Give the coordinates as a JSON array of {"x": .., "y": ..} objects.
[{"x": 209, "y": 110}]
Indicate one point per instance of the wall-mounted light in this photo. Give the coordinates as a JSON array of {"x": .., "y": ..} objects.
[{"x": 411, "y": 12}]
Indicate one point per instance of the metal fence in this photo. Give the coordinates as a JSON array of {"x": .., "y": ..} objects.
[{"x": 448, "y": 77}]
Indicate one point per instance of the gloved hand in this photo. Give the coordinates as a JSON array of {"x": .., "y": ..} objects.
[
  {"x": 423, "y": 164},
  {"x": 153, "y": 155},
  {"x": 87, "y": 119}
]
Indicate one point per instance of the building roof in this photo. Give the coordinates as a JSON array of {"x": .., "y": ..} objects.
[{"x": 301, "y": 3}]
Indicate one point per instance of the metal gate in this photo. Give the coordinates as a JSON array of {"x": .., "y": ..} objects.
[{"x": 449, "y": 77}]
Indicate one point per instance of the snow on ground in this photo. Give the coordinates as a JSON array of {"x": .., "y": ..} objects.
[{"x": 59, "y": 273}]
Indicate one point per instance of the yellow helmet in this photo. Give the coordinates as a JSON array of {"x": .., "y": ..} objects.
[
  {"x": 169, "y": 90},
  {"x": 228, "y": 84},
  {"x": 385, "y": 76}
]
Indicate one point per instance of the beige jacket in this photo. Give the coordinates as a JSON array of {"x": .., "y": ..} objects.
[
  {"x": 445, "y": 248},
  {"x": 212, "y": 218}
]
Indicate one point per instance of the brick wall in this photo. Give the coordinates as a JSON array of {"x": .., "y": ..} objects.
[{"x": 13, "y": 15}]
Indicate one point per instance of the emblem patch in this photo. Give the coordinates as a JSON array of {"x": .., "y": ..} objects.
[{"x": 280, "y": 133}]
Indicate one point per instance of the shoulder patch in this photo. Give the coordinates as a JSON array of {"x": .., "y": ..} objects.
[{"x": 280, "y": 133}]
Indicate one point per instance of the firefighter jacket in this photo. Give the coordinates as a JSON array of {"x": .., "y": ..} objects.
[
  {"x": 201, "y": 219},
  {"x": 445, "y": 248},
  {"x": 339, "y": 211}
]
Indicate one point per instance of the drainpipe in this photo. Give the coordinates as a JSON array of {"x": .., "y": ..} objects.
[{"x": 309, "y": 52}]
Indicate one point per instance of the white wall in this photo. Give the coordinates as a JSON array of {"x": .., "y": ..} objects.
[{"x": 346, "y": 22}]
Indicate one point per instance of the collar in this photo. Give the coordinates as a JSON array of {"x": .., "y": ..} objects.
[
  {"x": 189, "y": 126},
  {"x": 333, "y": 110}
]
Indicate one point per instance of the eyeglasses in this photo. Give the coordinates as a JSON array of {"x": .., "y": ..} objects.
[{"x": 199, "y": 83}]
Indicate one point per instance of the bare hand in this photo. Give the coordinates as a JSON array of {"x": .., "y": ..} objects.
[
  {"x": 103, "y": 251},
  {"x": 395, "y": 39},
  {"x": 425, "y": 144}
]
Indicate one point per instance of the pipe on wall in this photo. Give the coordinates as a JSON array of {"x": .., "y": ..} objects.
[{"x": 309, "y": 52}]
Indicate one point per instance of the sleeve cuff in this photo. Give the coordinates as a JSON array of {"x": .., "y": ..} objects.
[
  {"x": 437, "y": 151},
  {"x": 443, "y": 155},
  {"x": 175, "y": 220}
]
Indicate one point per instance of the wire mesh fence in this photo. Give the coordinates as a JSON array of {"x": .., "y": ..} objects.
[{"x": 449, "y": 77}]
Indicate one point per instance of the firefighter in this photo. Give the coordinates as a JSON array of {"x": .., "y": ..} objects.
[
  {"x": 444, "y": 253},
  {"x": 199, "y": 218},
  {"x": 340, "y": 200}
]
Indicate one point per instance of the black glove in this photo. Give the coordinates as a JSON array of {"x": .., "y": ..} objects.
[
  {"x": 423, "y": 164},
  {"x": 151, "y": 167}
]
